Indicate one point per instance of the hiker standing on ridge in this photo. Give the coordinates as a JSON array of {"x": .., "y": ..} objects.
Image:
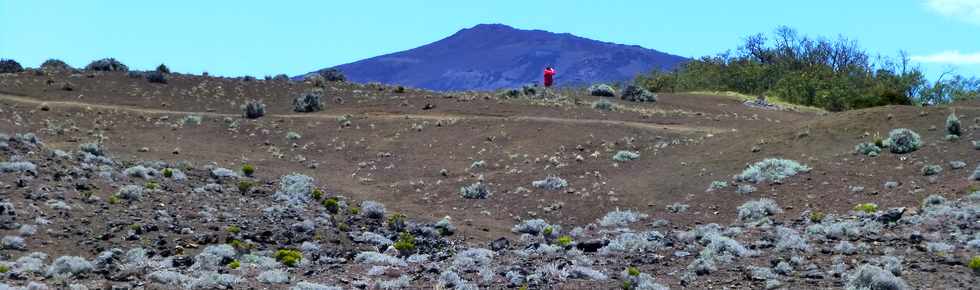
[{"x": 549, "y": 76}]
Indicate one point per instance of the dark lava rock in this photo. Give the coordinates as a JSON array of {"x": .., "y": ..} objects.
[
  {"x": 591, "y": 246},
  {"x": 891, "y": 215},
  {"x": 500, "y": 244}
]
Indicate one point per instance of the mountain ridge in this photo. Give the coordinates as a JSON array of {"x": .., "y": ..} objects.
[{"x": 494, "y": 56}]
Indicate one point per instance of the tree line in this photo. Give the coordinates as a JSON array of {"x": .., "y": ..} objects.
[{"x": 834, "y": 74}]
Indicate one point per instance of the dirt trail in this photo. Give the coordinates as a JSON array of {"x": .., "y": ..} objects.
[{"x": 381, "y": 115}]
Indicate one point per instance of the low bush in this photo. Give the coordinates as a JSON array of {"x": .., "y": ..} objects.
[
  {"x": 106, "y": 64},
  {"x": 623, "y": 156},
  {"x": 55, "y": 65},
  {"x": 930, "y": 170},
  {"x": 405, "y": 243},
  {"x": 869, "y": 149},
  {"x": 288, "y": 257},
  {"x": 602, "y": 90},
  {"x": 635, "y": 93},
  {"x": 332, "y": 75},
  {"x": 771, "y": 169},
  {"x": 477, "y": 190},
  {"x": 603, "y": 104},
  {"x": 866, "y": 207},
  {"x": 253, "y": 109},
  {"x": 8, "y": 66},
  {"x": 156, "y": 77},
  {"x": 953, "y": 125},
  {"x": 758, "y": 210},
  {"x": 902, "y": 140},
  {"x": 162, "y": 68},
  {"x": 248, "y": 170},
  {"x": 310, "y": 101}
]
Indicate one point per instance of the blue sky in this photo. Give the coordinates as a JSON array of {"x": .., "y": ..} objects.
[{"x": 260, "y": 38}]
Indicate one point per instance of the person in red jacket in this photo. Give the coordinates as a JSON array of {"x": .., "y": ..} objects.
[{"x": 549, "y": 76}]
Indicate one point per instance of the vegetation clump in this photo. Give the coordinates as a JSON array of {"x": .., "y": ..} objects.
[
  {"x": 8, "y": 66},
  {"x": 332, "y": 205},
  {"x": 310, "y": 101},
  {"x": 634, "y": 93},
  {"x": 55, "y": 65},
  {"x": 405, "y": 243},
  {"x": 156, "y": 77},
  {"x": 771, "y": 169},
  {"x": 623, "y": 156},
  {"x": 869, "y": 149},
  {"x": 107, "y": 64},
  {"x": 248, "y": 170},
  {"x": 866, "y": 207},
  {"x": 831, "y": 74},
  {"x": 288, "y": 257},
  {"x": 602, "y": 90},
  {"x": 902, "y": 140},
  {"x": 253, "y": 109},
  {"x": 162, "y": 68},
  {"x": 603, "y": 104},
  {"x": 477, "y": 190},
  {"x": 953, "y": 127}
]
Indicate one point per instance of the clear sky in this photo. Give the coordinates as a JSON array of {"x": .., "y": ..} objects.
[{"x": 258, "y": 38}]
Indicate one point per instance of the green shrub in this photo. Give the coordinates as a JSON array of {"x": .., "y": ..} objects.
[
  {"x": 974, "y": 264},
  {"x": 548, "y": 230},
  {"x": 564, "y": 241},
  {"x": 817, "y": 216},
  {"x": 317, "y": 194},
  {"x": 248, "y": 169},
  {"x": 233, "y": 229},
  {"x": 168, "y": 173},
  {"x": 354, "y": 210},
  {"x": 150, "y": 185},
  {"x": 866, "y": 207},
  {"x": 234, "y": 264},
  {"x": 113, "y": 199},
  {"x": 4, "y": 269},
  {"x": 332, "y": 205},
  {"x": 902, "y": 140},
  {"x": 289, "y": 257},
  {"x": 396, "y": 222},
  {"x": 633, "y": 271},
  {"x": 405, "y": 243},
  {"x": 245, "y": 186}
]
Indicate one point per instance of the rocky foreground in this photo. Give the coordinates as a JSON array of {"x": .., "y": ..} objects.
[{"x": 82, "y": 220}]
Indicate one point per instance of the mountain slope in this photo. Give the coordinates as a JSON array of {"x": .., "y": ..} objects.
[{"x": 492, "y": 56}]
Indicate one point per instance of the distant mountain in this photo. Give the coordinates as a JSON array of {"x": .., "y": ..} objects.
[{"x": 493, "y": 56}]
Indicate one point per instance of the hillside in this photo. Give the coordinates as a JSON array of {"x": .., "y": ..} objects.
[
  {"x": 116, "y": 182},
  {"x": 492, "y": 56}
]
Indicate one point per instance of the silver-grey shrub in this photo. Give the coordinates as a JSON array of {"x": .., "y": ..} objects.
[
  {"x": 602, "y": 90},
  {"x": 771, "y": 169},
  {"x": 550, "y": 183},
  {"x": 307, "y": 102},
  {"x": 758, "y": 210},
  {"x": 902, "y": 140},
  {"x": 477, "y": 190},
  {"x": 869, "y": 277}
]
